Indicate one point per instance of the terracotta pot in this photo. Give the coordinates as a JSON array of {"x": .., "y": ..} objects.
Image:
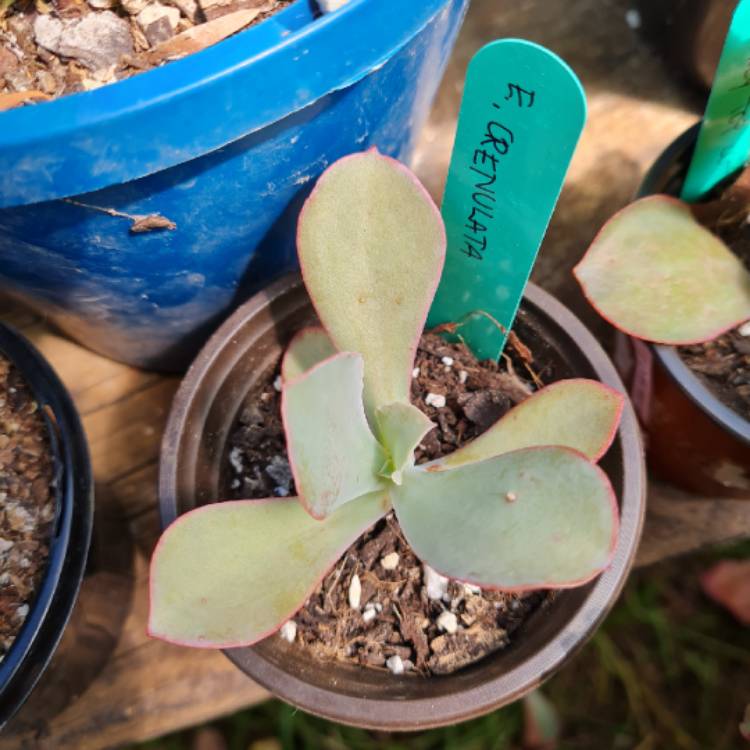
[
  {"x": 244, "y": 351},
  {"x": 693, "y": 439}
]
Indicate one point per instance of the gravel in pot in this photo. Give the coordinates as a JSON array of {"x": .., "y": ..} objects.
[
  {"x": 49, "y": 51},
  {"x": 46, "y": 514},
  {"x": 27, "y": 501}
]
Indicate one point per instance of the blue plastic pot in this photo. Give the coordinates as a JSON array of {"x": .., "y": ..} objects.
[{"x": 226, "y": 143}]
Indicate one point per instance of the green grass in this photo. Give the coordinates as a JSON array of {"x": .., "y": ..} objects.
[{"x": 668, "y": 670}]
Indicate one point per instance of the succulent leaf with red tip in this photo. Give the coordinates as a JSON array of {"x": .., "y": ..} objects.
[
  {"x": 523, "y": 506},
  {"x": 657, "y": 274}
]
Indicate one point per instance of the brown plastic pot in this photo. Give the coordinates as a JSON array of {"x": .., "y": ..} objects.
[
  {"x": 243, "y": 352},
  {"x": 693, "y": 439}
]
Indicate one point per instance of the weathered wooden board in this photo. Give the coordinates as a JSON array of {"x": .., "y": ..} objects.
[{"x": 109, "y": 684}]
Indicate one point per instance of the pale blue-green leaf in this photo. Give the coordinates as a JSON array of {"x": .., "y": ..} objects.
[
  {"x": 229, "y": 574},
  {"x": 333, "y": 455},
  {"x": 371, "y": 245},
  {"x": 400, "y": 426},
  {"x": 533, "y": 518},
  {"x": 309, "y": 347}
]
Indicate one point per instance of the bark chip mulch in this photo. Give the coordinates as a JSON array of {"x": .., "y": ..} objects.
[{"x": 27, "y": 501}]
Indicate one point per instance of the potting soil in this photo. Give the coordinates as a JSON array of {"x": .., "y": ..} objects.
[
  {"x": 723, "y": 363},
  {"x": 407, "y": 618},
  {"x": 27, "y": 501},
  {"x": 66, "y": 46}
]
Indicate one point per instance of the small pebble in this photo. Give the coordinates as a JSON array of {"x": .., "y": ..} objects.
[
  {"x": 189, "y": 8},
  {"x": 435, "y": 399},
  {"x": 158, "y": 22},
  {"x": 235, "y": 458},
  {"x": 96, "y": 40},
  {"x": 744, "y": 329},
  {"x": 134, "y": 7},
  {"x": 277, "y": 383},
  {"x": 390, "y": 562},
  {"x": 511, "y": 497},
  {"x": 288, "y": 631},
  {"x": 395, "y": 664},
  {"x": 279, "y": 470},
  {"x": 462, "y": 375},
  {"x": 437, "y": 585},
  {"x": 633, "y": 18},
  {"x": 355, "y": 592},
  {"x": 415, "y": 372},
  {"x": 447, "y": 622},
  {"x": 447, "y": 361},
  {"x": 370, "y": 613}
]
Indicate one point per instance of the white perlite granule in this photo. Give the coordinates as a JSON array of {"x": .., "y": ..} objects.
[
  {"x": 355, "y": 592},
  {"x": 288, "y": 631}
]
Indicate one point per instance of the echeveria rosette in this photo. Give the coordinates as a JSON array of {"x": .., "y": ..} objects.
[
  {"x": 523, "y": 506},
  {"x": 657, "y": 274}
]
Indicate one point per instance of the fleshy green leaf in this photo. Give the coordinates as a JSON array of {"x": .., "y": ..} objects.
[
  {"x": 332, "y": 453},
  {"x": 534, "y": 518},
  {"x": 371, "y": 245},
  {"x": 309, "y": 347},
  {"x": 578, "y": 413},
  {"x": 655, "y": 273},
  {"x": 541, "y": 722},
  {"x": 229, "y": 574},
  {"x": 401, "y": 427}
]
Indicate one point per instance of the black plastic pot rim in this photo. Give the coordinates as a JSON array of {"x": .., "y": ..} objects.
[
  {"x": 668, "y": 356},
  {"x": 53, "y": 602}
]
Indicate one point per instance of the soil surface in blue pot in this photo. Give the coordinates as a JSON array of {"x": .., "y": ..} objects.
[{"x": 74, "y": 47}]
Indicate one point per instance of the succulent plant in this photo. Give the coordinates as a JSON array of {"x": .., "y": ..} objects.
[
  {"x": 523, "y": 506},
  {"x": 656, "y": 273}
]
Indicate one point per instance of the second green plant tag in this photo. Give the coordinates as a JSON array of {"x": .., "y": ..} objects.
[
  {"x": 522, "y": 114},
  {"x": 724, "y": 138}
]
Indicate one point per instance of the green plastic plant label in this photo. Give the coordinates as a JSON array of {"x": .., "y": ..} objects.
[
  {"x": 522, "y": 113},
  {"x": 723, "y": 142}
]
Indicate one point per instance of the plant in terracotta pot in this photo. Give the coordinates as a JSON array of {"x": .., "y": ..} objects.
[
  {"x": 374, "y": 558},
  {"x": 676, "y": 275}
]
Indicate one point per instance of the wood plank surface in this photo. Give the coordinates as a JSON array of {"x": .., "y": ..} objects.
[{"x": 109, "y": 685}]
